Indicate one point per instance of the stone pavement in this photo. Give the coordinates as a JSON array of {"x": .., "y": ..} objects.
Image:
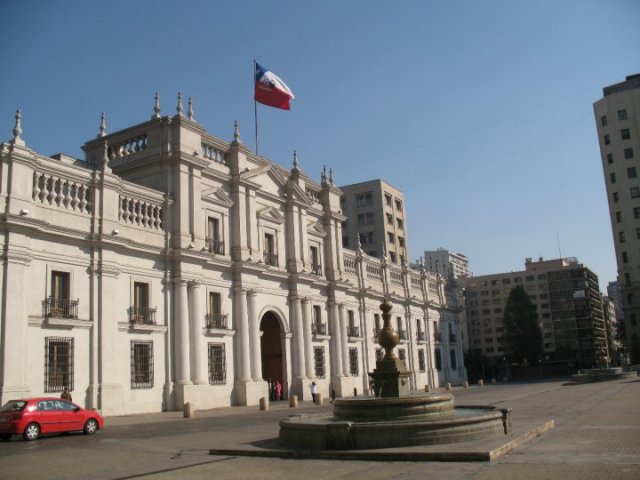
[{"x": 596, "y": 435}]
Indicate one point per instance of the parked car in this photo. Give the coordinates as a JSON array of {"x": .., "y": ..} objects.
[{"x": 31, "y": 417}]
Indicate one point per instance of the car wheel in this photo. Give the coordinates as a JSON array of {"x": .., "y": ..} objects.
[
  {"x": 5, "y": 437},
  {"x": 31, "y": 432},
  {"x": 90, "y": 427}
]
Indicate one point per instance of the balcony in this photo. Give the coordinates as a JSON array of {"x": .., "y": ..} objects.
[
  {"x": 270, "y": 259},
  {"x": 60, "y": 308},
  {"x": 403, "y": 335},
  {"x": 353, "y": 331},
  {"x": 215, "y": 246},
  {"x": 216, "y": 321},
  {"x": 421, "y": 336},
  {"x": 452, "y": 338},
  {"x": 142, "y": 315},
  {"x": 316, "y": 269},
  {"x": 319, "y": 329}
]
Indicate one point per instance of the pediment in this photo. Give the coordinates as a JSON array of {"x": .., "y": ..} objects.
[
  {"x": 270, "y": 214},
  {"x": 217, "y": 196},
  {"x": 317, "y": 229}
]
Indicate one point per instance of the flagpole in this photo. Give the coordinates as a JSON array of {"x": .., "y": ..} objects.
[{"x": 255, "y": 104}]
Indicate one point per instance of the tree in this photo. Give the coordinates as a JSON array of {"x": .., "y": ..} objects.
[{"x": 522, "y": 332}]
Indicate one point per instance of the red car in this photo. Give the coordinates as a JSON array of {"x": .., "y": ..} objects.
[{"x": 31, "y": 417}]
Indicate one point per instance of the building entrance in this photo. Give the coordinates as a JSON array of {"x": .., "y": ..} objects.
[{"x": 271, "y": 347}]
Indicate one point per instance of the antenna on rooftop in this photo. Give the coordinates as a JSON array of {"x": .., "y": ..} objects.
[{"x": 558, "y": 241}]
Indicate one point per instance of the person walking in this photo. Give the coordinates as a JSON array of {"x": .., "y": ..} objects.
[
  {"x": 66, "y": 395},
  {"x": 314, "y": 392},
  {"x": 278, "y": 390}
]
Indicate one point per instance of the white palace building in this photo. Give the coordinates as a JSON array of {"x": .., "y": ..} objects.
[{"x": 170, "y": 266}]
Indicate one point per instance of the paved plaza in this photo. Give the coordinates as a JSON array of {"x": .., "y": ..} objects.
[{"x": 584, "y": 432}]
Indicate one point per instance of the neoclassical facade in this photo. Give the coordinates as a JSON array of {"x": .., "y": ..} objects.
[{"x": 171, "y": 266}]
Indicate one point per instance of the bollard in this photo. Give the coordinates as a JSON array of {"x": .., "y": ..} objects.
[
  {"x": 448, "y": 386},
  {"x": 481, "y": 383},
  {"x": 426, "y": 388},
  {"x": 355, "y": 392},
  {"x": 318, "y": 399},
  {"x": 188, "y": 411},
  {"x": 465, "y": 384},
  {"x": 293, "y": 401},
  {"x": 493, "y": 380},
  {"x": 264, "y": 404}
]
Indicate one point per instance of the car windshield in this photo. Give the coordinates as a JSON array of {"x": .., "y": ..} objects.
[{"x": 14, "y": 406}]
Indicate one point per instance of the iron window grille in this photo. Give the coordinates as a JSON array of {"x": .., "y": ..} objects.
[
  {"x": 319, "y": 328},
  {"x": 141, "y": 364},
  {"x": 353, "y": 362},
  {"x": 142, "y": 315},
  {"x": 215, "y": 246},
  {"x": 421, "y": 361},
  {"x": 216, "y": 320},
  {"x": 270, "y": 259},
  {"x": 318, "y": 357},
  {"x": 217, "y": 364},
  {"x": 353, "y": 331},
  {"x": 58, "y": 364},
  {"x": 60, "y": 308}
]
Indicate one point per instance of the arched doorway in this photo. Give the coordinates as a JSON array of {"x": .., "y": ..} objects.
[{"x": 271, "y": 348}]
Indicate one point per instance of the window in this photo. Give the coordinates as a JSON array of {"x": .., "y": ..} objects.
[
  {"x": 367, "y": 238},
  {"x": 422, "y": 364},
  {"x": 318, "y": 327},
  {"x": 379, "y": 354},
  {"x": 353, "y": 362},
  {"x": 314, "y": 256},
  {"x": 609, "y": 158},
  {"x": 612, "y": 177},
  {"x": 387, "y": 199},
  {"x": 364, "y": 199},
  {"x": 438, "y": 360},
  {"x": 606, "y": 140},
  {"x": 400, "y": 222},
  {"x": 618, "y": 217},
  {"x": 636, "y": 212},
  {"x": 365, "y": 219},
  {"x": 625, "y": 257},
  {"x": 140, "y": 313},
  {"x": 622, "y": 114},
  {"x": 215, "y": 318},
  {"x": 631, "y": 172},
  {"x": 270, "y": 256},
  {"x": 141, "y": 364},
  {"x": 628, "y": 153},
  {"x": 638, "y": 232},
  {"x": 401, "y": 241},
  {"x": 59, "y": 304},
  {"x": 58, "y": 368},
  {"x": 398, "y": 205},
  {"x": 616, "y": 197},
  {"x": 627, "y": 279},
  {"x": 625, "y": 134},
  {"x": 635, "y": 192},
  {"x": 603, "y": 120},
  {"x": 217, "y": 364},
  {"x": 389, "y": 219},
  {"x": 345, "y": 242},
  {"x": 452, "y": 355},
  {"x": 318, "y": 361},
  {"x": 391, "y": 237},
  {"x": 214, "y": 242},
  {"x": 621, "y": 237},
  {"x": 392, "y": 257}
]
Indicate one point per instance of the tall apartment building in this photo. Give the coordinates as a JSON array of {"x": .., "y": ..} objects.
[
  {"x": 172, "y": 266},
  {"x": 568, "y": 303},
  {"x": 376, "y": 220},
  {"x": 450, "y": 264},
  {"x": 617, "y": 117}
]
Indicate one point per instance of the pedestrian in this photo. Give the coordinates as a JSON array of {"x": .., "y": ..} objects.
[
  {"x": 278, "y": 390},
  {"x": 314, "y": 392},
  {"x": 333, "y": 394},
  {"x": 66, "y": 395}
]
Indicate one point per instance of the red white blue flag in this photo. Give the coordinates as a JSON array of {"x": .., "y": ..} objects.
[{"x": 271, "y": 90}]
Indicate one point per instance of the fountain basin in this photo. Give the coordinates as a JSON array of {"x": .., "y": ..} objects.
[
  {"x": 600, "y": 375},
  {"x": 366, "y": 423}
]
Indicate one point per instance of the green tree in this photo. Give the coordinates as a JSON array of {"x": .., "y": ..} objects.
[{"x": 522, "y": 331}]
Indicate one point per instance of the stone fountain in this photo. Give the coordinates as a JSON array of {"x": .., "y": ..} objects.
[{"x": 394, "y": 417}]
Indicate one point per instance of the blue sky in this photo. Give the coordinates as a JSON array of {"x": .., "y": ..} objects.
[{"x": 479, "y": 111}]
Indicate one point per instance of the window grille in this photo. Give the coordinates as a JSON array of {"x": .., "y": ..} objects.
[
  {"x": 318, "y": 357},
  {"x": 438, "y": 360},
  {"x": 58, "y": 364},
  {"x": 421, "y": 360},
  {"x": 217, "y": 364},
  {"x": 379, "y": 354},
  {"x": 353, "y": 362},
  {"x": 141, "y": 364}
]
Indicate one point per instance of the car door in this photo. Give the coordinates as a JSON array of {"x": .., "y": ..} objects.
[
  {"x": 48, "y": 417},
  {"x": 71, "y": 418}
]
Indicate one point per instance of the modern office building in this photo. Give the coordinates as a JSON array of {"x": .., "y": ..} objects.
[
  {"x": 617, "y": 117},
  {"x": 376, "y": 220},
  {"x": 568, "y": 303},
  {"x": 172, "y": 266}
]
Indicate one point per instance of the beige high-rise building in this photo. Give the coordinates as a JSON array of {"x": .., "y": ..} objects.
[
  {"x": 376, "y": 217},
  {"x": 618, "y": 122},
  {"x": 567, "y": 300}
]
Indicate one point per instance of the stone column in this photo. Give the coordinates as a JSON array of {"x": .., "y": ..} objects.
[
  {"x": 242, "y": 336},
  {"x": 181, "y": 323},
  {"x": 306, "y": 327},
  {"x": 196, "y": 317},
  {"x": 298, "y": 366},
  {"x": 344, "y": 340},
  {"x": 336, "y": 341},
  {"x": 254, "y": 336}
]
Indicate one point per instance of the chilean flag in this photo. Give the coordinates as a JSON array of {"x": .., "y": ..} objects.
[{"x": 271, "y": 90}]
